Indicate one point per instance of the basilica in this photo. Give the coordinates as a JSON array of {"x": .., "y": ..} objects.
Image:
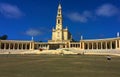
[{"x": 62, "y": 38}]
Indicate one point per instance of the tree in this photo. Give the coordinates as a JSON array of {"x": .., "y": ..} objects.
[{"x": 4, "y": 37}]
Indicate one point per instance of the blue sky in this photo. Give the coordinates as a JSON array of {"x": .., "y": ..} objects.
[{"x": 21, "y": 19}]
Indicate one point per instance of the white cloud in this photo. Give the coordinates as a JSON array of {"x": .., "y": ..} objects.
[
  {"x": 107, "y": 10},
  {"x": 75, "y": 16},
  {"x": 87, "y": 14},
  {"x": 33, "y": 32},
  {"x": 10, "y": 11}
]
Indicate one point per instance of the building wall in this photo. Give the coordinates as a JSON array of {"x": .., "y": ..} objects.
[
  {"x": 53, "y": 35},
  {"x": 60, "y": 35},
  {"x": 65, "y": 35}
]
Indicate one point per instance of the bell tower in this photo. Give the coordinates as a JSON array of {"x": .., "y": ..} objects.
[
  {"x": 59, "y": 27},
  {"x": 60, "y": 35},
  {"x": 59, "y": 18}
]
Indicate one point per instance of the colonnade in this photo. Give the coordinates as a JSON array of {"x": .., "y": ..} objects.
[
  {"x": 75, "y": 45},
  {"x": 21, "y": 45},
  {"x": 16, "y": 45},
  {"x": 104, "y": 44},
  {"x": 97, "y": 44},
  {"x": 83, "y": 44},
  {"x": 41, "y": 45}
]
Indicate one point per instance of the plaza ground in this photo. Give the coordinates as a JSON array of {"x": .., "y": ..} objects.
[{"x": 59, "y": 66}]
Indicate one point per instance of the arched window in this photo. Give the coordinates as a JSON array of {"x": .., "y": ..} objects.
[
  {"x": 58, "y": 21},
  {"x": 58, "y": 14}
]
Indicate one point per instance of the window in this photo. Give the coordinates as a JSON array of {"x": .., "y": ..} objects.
[{"x": 58, "y": 21}]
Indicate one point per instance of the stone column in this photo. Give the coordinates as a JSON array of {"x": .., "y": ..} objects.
[
  {"x": 40, "y": 45},
  {"x": 75, "y": 45},
  {"x": 26, "y": 46},
  {"x": 18, "y": 46},
  {"x": 13, "y": 46},
  {"x": 30, "y": 46},
  {"x": 110, "y": 44},
  {"x": 106, "y": 45},
  {"x": 37, "y": 46},
  {"x": 4, "y": 46},
  {"x": 101, "y": 46},
  {"x": 97, "y": 45},
  {"x": 80, "y": 45},
  {"x": 22, "y": 46},
  {"x": 65, "y": 45},
  {"x": 83, "y": 45},
  {"x": 69, "y": 45},
  {"x": 47, "y": 47},
  {"x": 92, "y": 46},
  {"x": 115, "y": 44},
  {"x": 9, "y": 46}
]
